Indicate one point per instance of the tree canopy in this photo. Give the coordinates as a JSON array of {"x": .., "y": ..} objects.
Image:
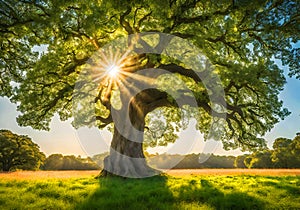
[
  {"x": 260, "y": 159},
  {"x": 241, "y": 40},
  {"x": 286, "y": 153},
  {"x": 19, "y": 152}
]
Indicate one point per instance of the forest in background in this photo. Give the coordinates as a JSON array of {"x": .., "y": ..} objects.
[
  {"x": 285, "y": 154},
  {"x": 18, "y": 152}
]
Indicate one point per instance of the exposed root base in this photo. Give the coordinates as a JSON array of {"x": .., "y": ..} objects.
[{"x": 122, "y": 166}]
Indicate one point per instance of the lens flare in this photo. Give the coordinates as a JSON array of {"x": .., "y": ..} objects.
[{"x": 113, "y": 70}]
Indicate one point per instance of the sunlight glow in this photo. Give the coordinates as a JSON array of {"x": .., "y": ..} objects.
[
  {"x": 110, "y": 66},
  {"x": 113, "y": 70}
]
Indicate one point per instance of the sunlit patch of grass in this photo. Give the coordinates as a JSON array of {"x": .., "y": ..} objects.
[
  {"x": 164, "y": 192},
  {"x": 44, "y": 194},
  {"x": 194, "y": 206}
]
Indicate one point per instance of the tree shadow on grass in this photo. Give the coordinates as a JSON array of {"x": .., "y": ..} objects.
[
  {"x": 156, "y": 193},
  {"x": 119, "y": 193},
  {"x": 283, "y": 183},
  {"x": 207, "y": 193}
]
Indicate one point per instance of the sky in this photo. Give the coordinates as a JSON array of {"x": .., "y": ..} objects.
[{"x": 63, "y": 138}]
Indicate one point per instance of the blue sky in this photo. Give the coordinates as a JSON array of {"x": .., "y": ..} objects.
[{"x": 63, "y": 138}]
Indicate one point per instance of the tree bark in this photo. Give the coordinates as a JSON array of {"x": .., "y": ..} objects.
[
  {"x": 126, "y": 156},
  {"x": 126, "y": 159}
]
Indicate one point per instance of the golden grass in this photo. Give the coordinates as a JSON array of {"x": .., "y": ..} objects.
[
  {"x": 261, "y": 172},
  {"x": 35, "y": 175}
]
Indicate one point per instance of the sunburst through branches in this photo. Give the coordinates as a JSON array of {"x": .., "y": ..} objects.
[
  {"x": 109, "y": 66},
  {"x": 112, "y": 69}
]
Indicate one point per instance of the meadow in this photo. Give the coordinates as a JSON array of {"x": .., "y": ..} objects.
[{"x": 187, "y": 190}]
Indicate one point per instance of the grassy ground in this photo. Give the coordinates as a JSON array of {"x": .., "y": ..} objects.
[{"x": 165, "y": 192}]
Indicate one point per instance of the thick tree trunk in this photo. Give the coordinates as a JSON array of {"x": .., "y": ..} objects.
[{"x": 126, "y": 157}]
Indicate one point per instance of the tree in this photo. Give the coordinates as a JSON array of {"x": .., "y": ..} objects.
[
  {"x": 295, "y": 151},
  {"x": 286, "y": 153},
  {"x": 240, "y": 161},
  {"x": 54, "y": 162},
  {"x": 281, "y": 152},
  {"x": 240, "y": 39},
  {"x": 19, "y": 152},
  {"x": 260, "y": 159}
]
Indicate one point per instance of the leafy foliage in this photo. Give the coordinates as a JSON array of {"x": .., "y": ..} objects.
[
  {"x": 240, "y": 38},
  {"x": 285, "y": 154},
  {"x": 260, "y": 159},
  {"x": 19, "y": 152},
  {"x": 239, "y": 161}
]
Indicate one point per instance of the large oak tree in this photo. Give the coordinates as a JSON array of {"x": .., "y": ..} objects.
[{"x": 240, "y": 38}]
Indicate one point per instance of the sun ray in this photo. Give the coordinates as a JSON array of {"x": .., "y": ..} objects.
[
  {"x": 111, "y": 65},
  {"x": 125, "y": 90},
  {"x": 124, "y": 85},
  {"x": 113, "y": 69},
  {"x": 109, "y": 88}
]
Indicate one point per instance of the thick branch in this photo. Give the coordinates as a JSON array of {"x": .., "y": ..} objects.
[
  {"x": 125, "y": 23},
  {"x": 173, "y": 68}
]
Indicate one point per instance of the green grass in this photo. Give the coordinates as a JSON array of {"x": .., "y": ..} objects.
[{"x": 193, "y": 192}]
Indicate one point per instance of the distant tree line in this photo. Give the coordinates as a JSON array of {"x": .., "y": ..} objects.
[
  {"x": 285, "y": 154},
  {"x": 193, "y": 161},
  {"x": 18, "y": 152},
  {"x": 68, "y": 162}
]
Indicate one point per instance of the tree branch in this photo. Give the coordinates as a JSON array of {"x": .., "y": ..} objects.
[{"x": 125, "y": 23}]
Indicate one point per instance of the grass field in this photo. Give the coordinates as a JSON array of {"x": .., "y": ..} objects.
[{"x": 185, "y": 190}]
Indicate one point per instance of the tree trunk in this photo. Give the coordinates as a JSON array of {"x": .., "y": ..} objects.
[
  {"x": 126, "y": 156},
  {"x": 6, "y": 165}
]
